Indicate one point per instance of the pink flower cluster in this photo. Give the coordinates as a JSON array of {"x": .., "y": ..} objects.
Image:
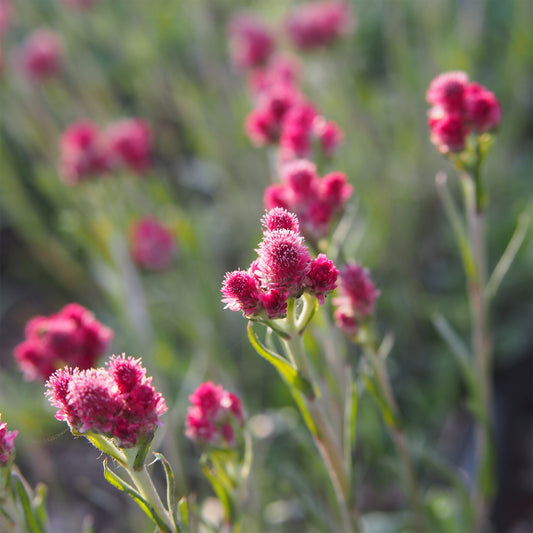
[
  {"x": 119, "y": 401},
  {"x": 85, "y": 151},
  {"x": 283, "y": 269},
  {"x": 356, "y": 298},
  {"x": 40, "y": 56},
  {"x": 459, "y": 108},
  {"x": 72, "y": 336},
  {"x": 213, "y": 416},
  {"x": 152, "y": 244},
  {"x": 7, "y": 442},
  {"x": 315, "y": 200},
  {"x": 318, "y": 24}
]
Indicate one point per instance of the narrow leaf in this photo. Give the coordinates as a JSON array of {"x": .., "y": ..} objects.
[
  {"x": 120, "y": 484},
  {"x": 349, "y": 423},
  {"x": 378, "y": 396},
  {"x": 32, "y": 523},
  {"x": 171, "y": 484},
  {"x": 287, "y": 371},
  {"x": 183, "y": 511},
  {"x": 222, "y": 493}
]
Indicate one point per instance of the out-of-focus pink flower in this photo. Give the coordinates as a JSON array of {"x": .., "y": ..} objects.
[
  {"x": 213, "y": 416},
  {"x": 251, "y": 42},
  {"x": 283, "y": 269},
  {"x": 118, "y": 402},
  {"x": 152, "y": 244},
  {"x": 482, "y": 108},
  {"x": 317, "y": 24},
  {"x": 128, "y": 142},
  {"x": 296, "y": 134},
  {"x": 328, "y": 134},
  {"x": 40, "y": 55},
  {"x": 72, "y": 336},
  {"x": 281, "y": 70},
  {"x": 6, "y": 15},
  {"x": 335, "y": 189},
  {"x": 447, "y": 91},
  {"x": 82, "y": 153},
  {"x": 355, "y": 301},
  {"x": 7, "y": 443},
  {"x": 447, "y": 131}
]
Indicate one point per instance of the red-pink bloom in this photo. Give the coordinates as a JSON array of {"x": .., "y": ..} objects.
[
  {"x": 447, "y": 91},
  {"x": 279, "y": 218},
  {"x": 128, "y": 143},
  {"x": 251, "y": 42},
  {"x": 82, "y": 154},
  {"x": 241, "y": 292},
  {"x": 72, "y": 336},
  {"x": 282, "y": 261},
  {"x": 274, "y": 302},
  {"x": 356, "y": 285},
  {"x": 6, "y": 15},
  {"x": 296, "y": 134},
  {"x": 321, "y": 277},
  {"x": 213, "y": 416},
  {"x": 118, "y": 402},
  {"x": 152, "y": 244},
  {"x": 7, "y": 443},
  {"x": 329, "y": 135},
  {"x": 335, "y": 189},
  {"x": 277, "y": 195},
  {"x": 345, "y": 320},
  {"x": 317, "y": 24},
  {"x": 282, "y": 70},
  {"x": 447, "y": 131},
  {"x": 482, "y": 108},
  {"x": 41, "y": 54}
]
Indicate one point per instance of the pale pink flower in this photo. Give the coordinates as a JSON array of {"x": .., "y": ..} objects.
[
  {"x": 152, "y": 244},
  {"x": 7, "y": 443},
  {"x": 72, "y": 336},
  {"x": 40, "y": 55}
]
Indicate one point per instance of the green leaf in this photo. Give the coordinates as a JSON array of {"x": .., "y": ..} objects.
[
  {"x": 32, "y": 522},
  {"x": 350, "y": 420},
  {"x": 120, "y": 484},
  {"x": 287, "y": 371},
  {"x": 386, "y": 412},
  {"x": 171, "y": 483},
  {"x": 183, "y": 511},
  {"x": 106, "y": 446},
  {"x": 222, "y": 491}
]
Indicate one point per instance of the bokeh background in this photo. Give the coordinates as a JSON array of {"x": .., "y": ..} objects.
[{"x": 167, "y": 62}]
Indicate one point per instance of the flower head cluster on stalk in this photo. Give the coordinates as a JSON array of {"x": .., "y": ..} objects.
[
  {"x": 152, "y": 244},
  {"x": 7, "y": 444},
  {"x": 355, "y": 300},
  {"x": 460, "y": 107},
  {"x": 283, "y": 269},
  {"x": 72, "y": 337},
  {"x": 213, "y": 416},
  {"x": 118, "y": 402},
  {"x": 87, "y": 152}
]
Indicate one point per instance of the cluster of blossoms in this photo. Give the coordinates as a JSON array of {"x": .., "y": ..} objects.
[
  {"x": 356, "y": 297},
  {"x": 40, "y": 56},
  {"x": 7, "y": 443},
  {"x": 152, "y": 244},
  {"x": 118, "y": 402},
  {"x": 315, "y": 200},
  {"x": 85, "y": 151},
  {"x": 72, "y": 336},
  {"x": 284, "y": 269},
  {"x": 213, "y": 416},
  {"x": 459, "y": 108}
]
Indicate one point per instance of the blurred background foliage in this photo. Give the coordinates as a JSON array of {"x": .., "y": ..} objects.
[{"x": 167, "y": 62}]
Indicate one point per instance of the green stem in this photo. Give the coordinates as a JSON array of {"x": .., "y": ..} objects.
[{"x": 328, "y": 446}]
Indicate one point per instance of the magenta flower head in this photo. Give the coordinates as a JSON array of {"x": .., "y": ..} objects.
[
  {"x": 448, "y": 131},
  {"x": 317, "y": 24},
  {"x": 40, "y": 55},
  {"x": 118, "y": 402},
  {"x": 447, "y": 90},
  {"x": 321, "y": 277},
  {"x": 282, "y": 70},
  {"x": 72, "y": 336},
  {"x": 251, "y": 42},
  {"x": 279, "y": 218},
  {"x": 82, "y": 154},
  {"x": 128, "y": 142},
  {"x": 213, "y": 416},
  {"x": 241, "y": 292},
  {"x": 482, "y": 108},
  {"x": 152, "y": 244},
  {"x": 7, "y": 443}
]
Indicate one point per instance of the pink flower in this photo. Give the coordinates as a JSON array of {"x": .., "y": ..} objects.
[
  {"x": 482, "y": 108},
  {"x": 128, "y": 142},
  {"x": 447, "y": 91},
  {"x": 282, "y": 70},
  {"x": 328, "y": 134},
  {"x": 118, "y": 402},
  {"x": 152, "y": 244},
  {"x": 7, "y": 443},
  {"x": 251, "y": 42},
  {"x": 274, "y": 303},
  {"x": 356, "y": 285},
  {"x": 241, "y": 292},
  {"x": 346, "y": 321},
  {"x": 72, "y": 336},
  {"x": 6, "y": 15},
  {"x": 302, "y": 180},
  {"x": 447, "y": 131},
  {"x": 279, "y": 218},
  {"x": 321, "y": 277},
  {"x": 317, "y": 24},
  {"x": 213, "y": 416},
  {"x": 40, "y": 56},
  {"x": 282, "y": 261},
  {"x": 82, "y": 154},
  {"x": 295, "y": 138},
  {"x": 335, "y": 189}
]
